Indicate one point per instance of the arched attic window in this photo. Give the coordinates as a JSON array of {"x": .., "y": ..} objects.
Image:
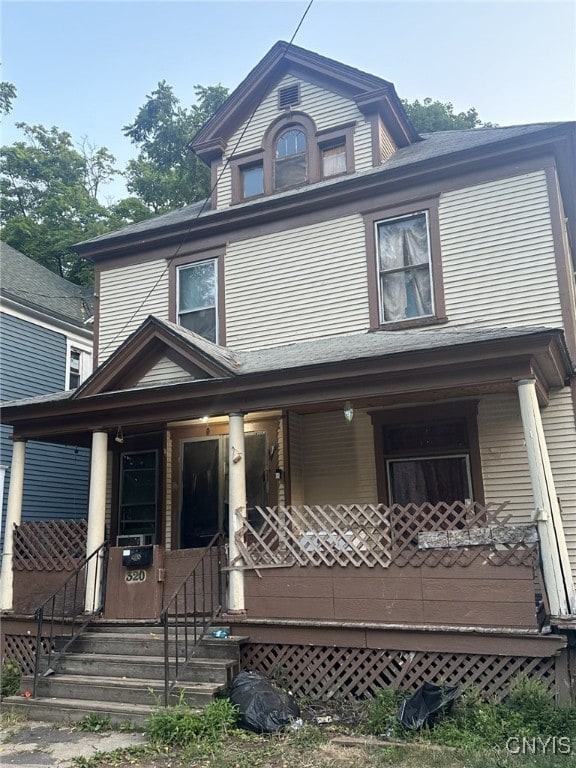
[{"x": 291, "y": 158}]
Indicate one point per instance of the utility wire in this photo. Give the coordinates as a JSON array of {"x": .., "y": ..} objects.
[{"x": 205, "y": 202}]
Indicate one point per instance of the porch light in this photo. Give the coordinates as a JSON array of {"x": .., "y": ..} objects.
[
  {"x": 348, "y": 411},
  {"x": 119, "y": 436}
]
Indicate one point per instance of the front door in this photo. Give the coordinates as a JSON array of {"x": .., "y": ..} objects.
[{"x": 204, "y": 485}]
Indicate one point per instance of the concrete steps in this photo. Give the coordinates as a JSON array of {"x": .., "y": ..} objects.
[{"x": 118, "y": 672}]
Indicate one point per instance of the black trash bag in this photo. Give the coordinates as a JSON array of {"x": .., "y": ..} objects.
[
  {"x": 262, "y": 708},
  {"x": 427, "y": 705}
]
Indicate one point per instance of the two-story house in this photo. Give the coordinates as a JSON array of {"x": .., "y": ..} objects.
[{"x": 353, "y": 362}]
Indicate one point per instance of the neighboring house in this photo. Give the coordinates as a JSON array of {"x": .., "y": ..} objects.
[
  {"x": 375, "y": 333},
  {"x": 46, "y": 345}
]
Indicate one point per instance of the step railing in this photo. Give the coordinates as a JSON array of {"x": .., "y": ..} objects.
[
  {"x": 64, "y": 615},
  {"x": 190, "y": 612}
]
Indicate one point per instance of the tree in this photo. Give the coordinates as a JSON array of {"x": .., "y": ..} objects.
[
  {"x": 49, "y": 201},
  {"x": 7, "y": 96},
  {"x": 166, "y": 174},
  {"x": 432, "y": 115}
]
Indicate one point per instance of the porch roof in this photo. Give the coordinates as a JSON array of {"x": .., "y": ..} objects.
[{"x": 371, "y": 368}]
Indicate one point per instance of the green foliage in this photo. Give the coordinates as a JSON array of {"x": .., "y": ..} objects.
[
  {"x": 166, "y": 175},
  {"x": 432, "y": 115},
  {"x": 382, "y": 711},
  {"x": 7, "y": 96},
  {"x": 179, "y": 726},
  {"x": 95, "y": 723},
  {"x": 11, "y": 676}
]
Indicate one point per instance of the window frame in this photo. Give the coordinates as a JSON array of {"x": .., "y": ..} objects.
[
  {"x": 217, "y": 256},
  {"x": 371, "y": 221},
  {"x": 465, "y": 411},
  {"x": 85, "y": 361},
  {"x": 316, "y": 141},
  {"x": 157, "y": 484}
]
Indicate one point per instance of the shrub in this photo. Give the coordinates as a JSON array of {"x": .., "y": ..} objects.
[
  {"x": 11, "y": 676},
  {"x": 181, "y": 726}
]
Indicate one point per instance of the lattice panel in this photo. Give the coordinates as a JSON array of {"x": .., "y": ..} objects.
[
  {"x": 53, "y": 545},
  {"x": 21, "y": 649},
  {"x": 351, "y": 673},
  {"x": 370, "y": 534}
]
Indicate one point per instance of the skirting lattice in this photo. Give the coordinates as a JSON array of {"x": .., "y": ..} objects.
[
  {"x": 21, "y": 649},
  {"x": 352, "y": 673}
]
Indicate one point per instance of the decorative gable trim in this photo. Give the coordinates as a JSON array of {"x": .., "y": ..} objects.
[
  {"x": 153, "y": 342},
  {"x": 374, "y": 93}
]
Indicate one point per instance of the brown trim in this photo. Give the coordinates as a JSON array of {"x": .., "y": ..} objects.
[
  {"x": 215, "y": 170},
  {"x": 238, "y": 165},
  {"x": 96, "y": 325},
  {"x": 563, "y": 261},
  {"x": 466, "y": 369},
  {"x": 431, "y": 206},
  {"x": 462, "y": 410},
  {"x": 216, "y": 253},
  {"x": 347, "y": 195},
  {"x": 271, "y": 136}
]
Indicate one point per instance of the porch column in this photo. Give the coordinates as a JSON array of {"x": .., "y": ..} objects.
[
  {"x": 555, "y": 562},
  {"x": 96, "y": 518},
  {"x": 13, "y": 517},
  {"x": 236, "y": 509}
]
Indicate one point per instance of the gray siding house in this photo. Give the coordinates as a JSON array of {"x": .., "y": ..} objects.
[{"x": 46, "y": 345}]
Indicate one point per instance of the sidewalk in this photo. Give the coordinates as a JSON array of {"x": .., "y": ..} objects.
[{"x": 35, "y": 744}]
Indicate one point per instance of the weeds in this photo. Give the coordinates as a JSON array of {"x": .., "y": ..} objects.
[
  {"x": 95, "y": 723},
  {"x": 11, "y": 676},
  {"x": 181, "y": 726}
]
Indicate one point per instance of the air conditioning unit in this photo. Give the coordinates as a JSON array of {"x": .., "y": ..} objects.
[{"x": 135, "y": 540}]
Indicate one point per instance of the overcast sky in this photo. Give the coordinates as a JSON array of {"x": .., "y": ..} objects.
[{"x": 87, "y": 67}]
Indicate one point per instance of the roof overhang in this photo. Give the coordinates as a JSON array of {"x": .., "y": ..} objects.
[{"x": 454, "y": 372}]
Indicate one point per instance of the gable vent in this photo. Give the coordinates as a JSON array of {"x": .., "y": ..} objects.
[{"x": 289, "y": 95}]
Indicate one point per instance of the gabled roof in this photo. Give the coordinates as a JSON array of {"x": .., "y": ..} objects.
[
  {"x": 371, "y": 93},
  {"x": 153, "y": 341},
  {"x": 35, "y": 287}
]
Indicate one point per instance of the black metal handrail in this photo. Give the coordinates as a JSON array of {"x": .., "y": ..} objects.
[
  {"x": 65, "y": 610},
  {"x": 190, "y": 615}
]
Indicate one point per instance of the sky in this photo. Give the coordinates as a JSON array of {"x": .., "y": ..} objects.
[{"x": 87, "y": 67}]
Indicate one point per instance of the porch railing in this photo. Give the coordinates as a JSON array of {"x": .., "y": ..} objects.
[
  {"x": 368, "y": 535},
  {"x": 190, "y": 612},
  {"x": 63, "y": 615}
]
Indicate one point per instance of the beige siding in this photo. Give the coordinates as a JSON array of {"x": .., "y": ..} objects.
[
  {"x": 338, "y": 459},
  {"x": 281, "y": 461},
  {"x": 498, "y": 254},
  {"x": 505, "y": 463},
  {"x": 164, "y": 372},
  {"x": 327, "y": 109},
  {"x": 387, "y": 146},
  {"x": 296, "y": 285},
  {"x": 296, "y": 448},
  {"x": 362, "y": 146},
  {"x": 560, "y": 431},
  {"x": 127, "y": 296}
]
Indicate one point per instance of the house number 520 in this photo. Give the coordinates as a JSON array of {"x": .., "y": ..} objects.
[{"x": 134, "y": 575}]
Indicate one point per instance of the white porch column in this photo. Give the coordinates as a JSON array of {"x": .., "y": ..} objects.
[
  {"x": 13, "y": 517},
  {"x": 96, "y": 517},
  {"x": 555, "y": 562},
  {"x": 236, "y": 509}
]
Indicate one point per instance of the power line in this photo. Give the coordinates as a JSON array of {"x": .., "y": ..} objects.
[{"x": 205, "y": 202}]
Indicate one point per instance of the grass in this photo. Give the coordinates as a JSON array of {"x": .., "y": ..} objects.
[{"x": 473, "y": 735}]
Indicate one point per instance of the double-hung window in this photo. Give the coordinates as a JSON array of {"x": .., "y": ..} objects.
[
  {"x": 404, "y": 268},
  {"x": 198, "y": 298},
  {"x": 78, "y": 365}
]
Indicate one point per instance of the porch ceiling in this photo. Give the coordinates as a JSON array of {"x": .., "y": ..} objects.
[{"x": 372, "y": 369}]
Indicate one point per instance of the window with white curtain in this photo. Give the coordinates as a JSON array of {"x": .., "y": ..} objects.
[{"x": 404, "y": 268}]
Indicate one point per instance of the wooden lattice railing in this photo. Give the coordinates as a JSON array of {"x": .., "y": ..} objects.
[
  {"x": 53, "y": 545},
  {"x": 371, "y": 535}
]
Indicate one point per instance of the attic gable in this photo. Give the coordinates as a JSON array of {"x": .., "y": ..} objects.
[
  {"x": 372, "y": 94},
  {"x": 159, "y": 352}
]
